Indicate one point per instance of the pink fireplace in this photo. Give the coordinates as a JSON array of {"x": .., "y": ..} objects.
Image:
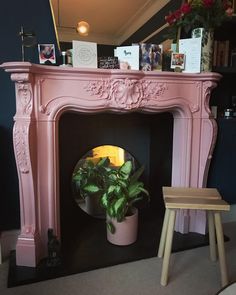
[{"x": 44, "y": 93}]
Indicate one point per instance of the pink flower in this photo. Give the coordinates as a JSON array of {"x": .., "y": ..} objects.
[
  {"x": 206, "y": 13},
  {"x": 185, "y": 8},
  {"x": 178, "y": 14},
  {"x": 227, "y": 4},
  {"x": 170, "y": 18},
  {"x": 229, "y": 11},
  {"x": 208, "y": 3}
]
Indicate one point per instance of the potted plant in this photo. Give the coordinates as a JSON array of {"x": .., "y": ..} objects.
[
  {"x": 119, "y": 190},
  {"x": 123, "y": 190},
  {"x": 86, "y": 178}
]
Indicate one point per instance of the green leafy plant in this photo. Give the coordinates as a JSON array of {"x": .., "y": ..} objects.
[
  {"x": 121, "y": 192},
  {"x": 89, "y": 178},
  {"x": 118, "y": 187}
]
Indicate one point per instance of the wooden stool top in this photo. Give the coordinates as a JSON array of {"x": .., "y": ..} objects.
[
  {"x": 189, "y": 192},
  {"x": 196, "y": 203}
]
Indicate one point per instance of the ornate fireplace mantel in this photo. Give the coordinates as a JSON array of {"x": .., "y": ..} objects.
[{"x": 43, "y": 93}]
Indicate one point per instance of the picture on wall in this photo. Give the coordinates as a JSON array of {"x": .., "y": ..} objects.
[{"x": 47, "y": 53}]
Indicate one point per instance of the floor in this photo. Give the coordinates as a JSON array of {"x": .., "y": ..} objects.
[
  {"x": 89, "y": 250},
  {"x": 191, "y": 273}
]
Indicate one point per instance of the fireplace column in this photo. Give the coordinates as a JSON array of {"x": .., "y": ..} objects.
[{"x": 25, "y": 148}]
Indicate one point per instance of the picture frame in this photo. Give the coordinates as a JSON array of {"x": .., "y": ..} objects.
[
  {"x": 177, "y": 60},
  {"x": 47, "y": 54}
]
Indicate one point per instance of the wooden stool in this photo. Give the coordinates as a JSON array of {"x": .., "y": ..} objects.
[
  {"x": 192, "y": 199},
  {"x": 176, "y": 192}
]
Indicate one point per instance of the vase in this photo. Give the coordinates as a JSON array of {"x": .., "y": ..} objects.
[
  {"x": 126, "y": 231},
  {"x": 207, "y": 36}
]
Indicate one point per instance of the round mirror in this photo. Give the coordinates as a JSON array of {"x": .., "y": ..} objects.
[{"x": 89, "y": 172}]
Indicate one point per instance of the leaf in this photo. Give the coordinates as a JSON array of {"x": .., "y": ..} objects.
[
  {"x": 111, "y": 189},
  {"x": 88, "y": 164},
  {"x": 110, "y": 227},
  {"x": 135, "y": 189},
  {"x": 104, "y": 200},
  {"x": 110, "y": 211},
  {"x": 117, "y": 189},
  {"x": 77, "y": 177},
  {"x": 91, "y": 188},
  {"x": 119, "y": 205},
  {"x": 125, "y": 169},
  {"x": 135, "y": 200},
  {"x": 136, "y": 174},
  {"x": 122, "y": 183},
  {"x": 144, "y": 191},
  {"x": 104, "y": 162}
]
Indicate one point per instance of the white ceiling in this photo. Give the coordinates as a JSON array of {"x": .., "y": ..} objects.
[{"x": 111, "y": 21}]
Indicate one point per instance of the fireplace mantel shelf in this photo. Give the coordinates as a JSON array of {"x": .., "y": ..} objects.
[{"x": 43, "y": 93}]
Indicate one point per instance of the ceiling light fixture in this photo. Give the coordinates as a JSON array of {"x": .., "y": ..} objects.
[{"x": 83, "y": 28}]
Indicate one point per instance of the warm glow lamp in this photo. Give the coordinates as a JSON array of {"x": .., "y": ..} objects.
[{"x": 83, "y": 28}]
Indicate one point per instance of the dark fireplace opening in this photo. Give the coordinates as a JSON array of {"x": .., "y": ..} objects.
[
  {"x": 84, "y": 247},
  {"x": 149, "y": 139}
]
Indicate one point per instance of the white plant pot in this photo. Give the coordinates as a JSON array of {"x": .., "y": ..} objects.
[{"x": 125, "y": 232}]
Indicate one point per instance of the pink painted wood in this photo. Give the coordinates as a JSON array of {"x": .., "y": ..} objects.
[{"x": 43, "y": 93}]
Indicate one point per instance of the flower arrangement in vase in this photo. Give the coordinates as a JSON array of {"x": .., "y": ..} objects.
[
  {"x": 207, "y": 14},
  {"x": 201, "y": 17}
]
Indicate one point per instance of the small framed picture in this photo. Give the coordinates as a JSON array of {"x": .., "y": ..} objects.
[
  {"x": 47, "y": 53},
  {"x": 177, "y": 60}
]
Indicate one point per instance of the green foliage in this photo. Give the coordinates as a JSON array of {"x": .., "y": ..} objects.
[
  {"x": 118, "y": 188},
  {"x": 89, "y": 178},
  {"x": 122, "y": 190}
]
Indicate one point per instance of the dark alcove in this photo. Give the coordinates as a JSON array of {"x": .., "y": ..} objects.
[{"x": 149, "y": 139}]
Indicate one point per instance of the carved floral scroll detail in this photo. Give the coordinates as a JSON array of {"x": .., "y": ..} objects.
[
  {"x": 126, "y": 93},
  {"x": 20, "y": 136},
  {"x": 24, "y": 102},
  {"x": 208, "y": 86}
]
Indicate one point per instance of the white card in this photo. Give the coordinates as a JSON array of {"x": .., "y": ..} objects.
[
  {"x": 192, "y": 49},
  {"x": 84, "y": 54},
  {"x": 130, "y": 55}
]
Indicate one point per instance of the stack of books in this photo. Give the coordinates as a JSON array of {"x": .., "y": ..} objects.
[{"x": 221, "y": 53}]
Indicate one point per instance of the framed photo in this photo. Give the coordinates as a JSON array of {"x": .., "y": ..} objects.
[
  {"x": 47, "y": 53},
  {"x": 177, "y": 60}
]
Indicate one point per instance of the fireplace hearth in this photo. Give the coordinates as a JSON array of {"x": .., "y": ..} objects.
[{"x": 44, "y": 94}]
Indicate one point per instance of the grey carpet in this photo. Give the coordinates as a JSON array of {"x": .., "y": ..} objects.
[{"x": 191, "y": 273}]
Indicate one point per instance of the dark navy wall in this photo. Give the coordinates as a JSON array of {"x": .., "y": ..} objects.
[{"x": 33, "y": 16}]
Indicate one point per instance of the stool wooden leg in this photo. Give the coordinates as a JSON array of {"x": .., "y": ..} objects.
[
  {"x": 221, "y": 249},
  {"x": 212, "y": 237},
  {"x": 168, "y": 246},
  {"x": 163, "y": 233}
]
